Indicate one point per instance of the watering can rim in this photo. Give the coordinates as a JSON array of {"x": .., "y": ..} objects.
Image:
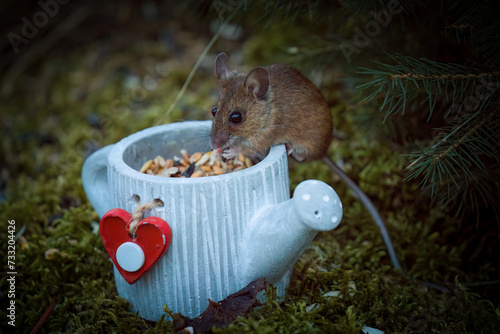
[{"x": 115, "y": 157}]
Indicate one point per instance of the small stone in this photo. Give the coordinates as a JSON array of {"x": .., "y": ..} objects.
[{"x": 51, "y": 253}]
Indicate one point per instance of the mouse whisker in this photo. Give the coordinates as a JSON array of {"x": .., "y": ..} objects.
[{"x": 204, "y": 126}]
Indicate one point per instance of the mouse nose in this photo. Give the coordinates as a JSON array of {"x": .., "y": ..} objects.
[{"x": 218, "y": 140}]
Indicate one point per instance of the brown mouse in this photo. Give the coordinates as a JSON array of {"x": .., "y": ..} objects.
[
  {"x": 270, "y": 105},
  {"x": 274, "y": 105}
]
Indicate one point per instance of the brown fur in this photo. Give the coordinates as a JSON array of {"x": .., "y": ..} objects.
[{"x": 293, "y": 112}]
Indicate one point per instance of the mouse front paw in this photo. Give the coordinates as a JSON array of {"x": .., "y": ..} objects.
[{"x": 230, "y": 153}]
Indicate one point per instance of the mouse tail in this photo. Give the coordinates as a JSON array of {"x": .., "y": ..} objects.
[{"x": 370, "y": 207}]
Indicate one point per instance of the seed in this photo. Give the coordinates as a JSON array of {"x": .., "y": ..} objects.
[
  {"x": 177, "y": 160},
  {"x": 204, "y": 159},
  {"x": 188, "y": 171},
  {"x": 195, "y": 157},
  {"x": 184, "y": 155},
  {"x": 248, "y": 162},
  {"x": 146, "y": 165},
  {"x": 196, "y": 165},
  {"x": 218, "y": 170},
  {"x": 171, "y": 171},
  {"x": 206, "y": 169},
  {"x": 213, "y": 158},
  {"x": 156, "y": 165},
  {"x": 169, "y": 163},
  {"x": 160, "y": 160}
]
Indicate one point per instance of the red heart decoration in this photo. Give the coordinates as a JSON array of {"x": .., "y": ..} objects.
[{"x": 153, "y": 237}]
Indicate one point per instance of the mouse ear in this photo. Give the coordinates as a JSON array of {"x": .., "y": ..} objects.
[
  {"x": 222, "y": 70},
  {"x": 257, "y": 82}
]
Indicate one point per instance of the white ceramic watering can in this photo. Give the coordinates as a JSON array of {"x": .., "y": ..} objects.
[{"x": 227, "y": 230}]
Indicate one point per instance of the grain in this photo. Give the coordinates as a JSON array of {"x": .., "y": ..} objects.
[{"x": 198, "y": 164}]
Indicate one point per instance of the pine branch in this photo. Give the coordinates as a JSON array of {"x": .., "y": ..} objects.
[
  {"x": 453, "y": 83},
  {"x": 469, "y": 141},
  {"x": 480, "y": 194}
]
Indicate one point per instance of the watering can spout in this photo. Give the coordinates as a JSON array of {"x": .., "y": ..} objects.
[{"x": 277, "y": 235}]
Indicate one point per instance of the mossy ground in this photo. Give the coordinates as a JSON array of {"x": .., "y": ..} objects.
[{"x": 75, "y": 100}]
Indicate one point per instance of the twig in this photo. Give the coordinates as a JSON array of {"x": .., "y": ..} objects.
[
  {"x": 44, "y": 317},
  {"x": 198, "y": 62},
  {"x": 461, "y": 140}
]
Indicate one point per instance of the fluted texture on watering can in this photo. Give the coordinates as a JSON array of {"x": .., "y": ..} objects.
[
  {"x": 206, "y": 231},
  {"x": 227, "y": 230}
]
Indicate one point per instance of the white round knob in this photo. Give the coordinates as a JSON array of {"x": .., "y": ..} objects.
[
  {"x": 317, "y": 205},
  {"x": 130, "y": 256}
]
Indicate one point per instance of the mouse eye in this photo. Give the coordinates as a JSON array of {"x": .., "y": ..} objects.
[
  {"x": 236, "y": 117},
  {"x": 214, "y": 110}
]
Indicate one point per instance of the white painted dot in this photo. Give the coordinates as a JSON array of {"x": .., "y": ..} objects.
[
  {"x": 130, "y": 256},
  {"x": 335, "y": 219},
  {"x": 306, "y": 197},
  {"x": 326, "y": 198},
  {"x": 334, "y": 202}
]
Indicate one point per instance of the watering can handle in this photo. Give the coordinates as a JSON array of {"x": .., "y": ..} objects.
[{"x": 95, "y": 180}]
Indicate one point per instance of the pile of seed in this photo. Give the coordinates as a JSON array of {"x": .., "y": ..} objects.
[{"x": 195, "y": 165}]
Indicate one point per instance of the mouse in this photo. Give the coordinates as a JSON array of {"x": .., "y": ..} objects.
[
  {"x": 273, "y": 105},
  {"x": 268, "y": 106}
]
